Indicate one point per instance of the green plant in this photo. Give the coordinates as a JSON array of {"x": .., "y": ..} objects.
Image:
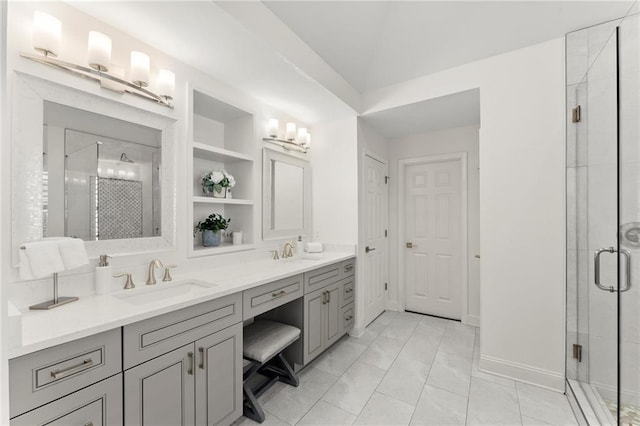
[{"x": 214, "y": 222}]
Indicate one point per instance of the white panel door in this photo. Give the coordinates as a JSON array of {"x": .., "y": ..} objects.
[
  {"x": 375, "y": 242},
  {"x": 433, "y": 229}
]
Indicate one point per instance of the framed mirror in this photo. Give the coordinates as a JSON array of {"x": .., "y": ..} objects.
[
  {"x": 286, "y": 195},
  {"x": 120, "y": 156}
]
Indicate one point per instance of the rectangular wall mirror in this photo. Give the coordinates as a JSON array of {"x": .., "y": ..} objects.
[
  {"x": 91, "y": 167},
  {"x": 101, "y": 176},
  {"x": 286, "y": 204}
]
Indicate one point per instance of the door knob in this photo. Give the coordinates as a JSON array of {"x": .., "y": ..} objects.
[
  {"x": 367, "y": 249},
  {"x": 410, "y": 245}
]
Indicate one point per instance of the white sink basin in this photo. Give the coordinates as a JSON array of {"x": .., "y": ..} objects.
[
  {"x": 297, "y": 258},
  {"x": 160, "y": 292}
]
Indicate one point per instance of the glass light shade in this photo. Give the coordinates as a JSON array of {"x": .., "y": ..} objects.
[
  {"x": 273, "y": 128},
  {"x": 290, "y": 135},
  {"x": 302, "y": 136},
  {"x": 140, "y": 65},
  {"x": 166, "y": 83},
  {"x": 47, "y": 31},
  {"x": 99, "y": 51},
  {"x": 307, "y": 143}
]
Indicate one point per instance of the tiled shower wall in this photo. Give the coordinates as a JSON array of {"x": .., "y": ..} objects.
[{"x": 592, "y": 199}]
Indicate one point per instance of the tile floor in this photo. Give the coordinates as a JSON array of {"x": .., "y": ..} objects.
[{"x": 409, "y": 369}]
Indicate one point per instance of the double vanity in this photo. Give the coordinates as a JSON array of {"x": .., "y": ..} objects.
[{"x": 172, "y": 353}]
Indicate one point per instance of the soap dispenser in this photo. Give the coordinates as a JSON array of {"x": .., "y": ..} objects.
[
  {"x": 103, "y": 275},
  {"x": 299, "y": 246}
]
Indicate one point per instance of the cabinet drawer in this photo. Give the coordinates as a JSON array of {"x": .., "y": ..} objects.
[
  {"x": 348, "y": 318},
  {"x": 268, "y": 296},
  {"x": 43, "y": 376},
  {"x": 97, "y": 405},
  {"x": 155, "y": 336},
  {"x": 348, "y": 268},
  {"x": 347, "y": 290},
  {"x": 321, "y": 277}
]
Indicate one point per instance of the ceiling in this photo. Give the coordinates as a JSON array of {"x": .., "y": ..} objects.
[
  {"x": 456, "y": 110},
  {"x": 313, "y": 59},
  {"x": 373, "y": 44}
]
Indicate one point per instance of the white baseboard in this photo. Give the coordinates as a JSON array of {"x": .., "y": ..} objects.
[
  {"x": 392, "y": 305},
  {"x": 523, "y": 373},
  {"x": 473, "y": 320}
]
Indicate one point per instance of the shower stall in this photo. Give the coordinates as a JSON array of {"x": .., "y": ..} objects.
[{"x": 603, "y": 221}]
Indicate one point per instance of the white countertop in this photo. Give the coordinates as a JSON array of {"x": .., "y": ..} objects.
[{"x": 95, "y": 314}]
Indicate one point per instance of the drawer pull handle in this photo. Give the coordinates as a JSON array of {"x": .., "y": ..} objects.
[
  {"x": 203, "y": 358},
  {"x": 350, "y": 267},
  {"x": 190, "y": 366},
  {"x": 324, "y": 297},
  {"x": 348, "y": 317},
  {"x": 59, "y": 374},
  {"x": 89, "y": 423},
  {"x": 349, "y": 290},
  {"x": 328, "y": 297},
  {"x": 278, "y": 294}
]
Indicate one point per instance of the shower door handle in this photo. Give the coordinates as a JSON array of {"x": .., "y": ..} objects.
[{"x": 596, "y": 265}]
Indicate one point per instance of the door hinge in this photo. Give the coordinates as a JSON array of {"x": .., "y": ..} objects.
[
  {"x": 385, "y": 286},
  {"x": 577, "y": 352},
  {"x": 576, "y": 114},
  {"x": 386, "y": 179},
  {"x": 385, "y": 233}
]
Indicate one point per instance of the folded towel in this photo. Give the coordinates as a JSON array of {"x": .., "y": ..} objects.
[
  {"x": 313, "y": 247},
  {"x": 73, "y": 253},
  {"x": 39, "y": 259}
]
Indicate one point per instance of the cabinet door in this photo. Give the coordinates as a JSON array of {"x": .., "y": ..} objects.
[
  {"x": 97, "y": 405},
  {"x": 161, "y": 391},
  {"x": 314, "y": 342},
  {"x": 219, "y": 377},
  {"x": 332, "y": 314}
]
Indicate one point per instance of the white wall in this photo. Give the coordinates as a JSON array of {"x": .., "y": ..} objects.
[
  {"x": 334, "y": 182},
  {"x": 460, "y": 139},
  {"x": 522, "y": 199}
]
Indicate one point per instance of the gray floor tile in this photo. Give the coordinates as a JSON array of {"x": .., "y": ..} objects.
[
  {"x": 404, "y": 380},
  {"x": 439, "y": 407},
  {"x": 492, "y": 404},
  {"x": 545, "y": 405},
  {"x": 340, "y": 357},
  {"x": 451, "y": 372},
  {"x": 381, "y": 352},
  {"x": 384, "y": 410},
  {"x": 324, "y": 413},
  {"x": 352, "y": 391}
]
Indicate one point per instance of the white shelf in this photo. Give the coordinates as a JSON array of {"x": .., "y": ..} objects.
[
  {"x": 211, "y": 200},
  {"x": 222, "y": 248},
  {"x": 219, "y": 155}
]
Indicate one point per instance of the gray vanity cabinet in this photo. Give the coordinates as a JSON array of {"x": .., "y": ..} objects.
[
  {"x": 161, "y": 391},
  {"x": 322, "y": 322},
  {"x": 98, "y": 405},
  {"x": 199, "y": 380}
]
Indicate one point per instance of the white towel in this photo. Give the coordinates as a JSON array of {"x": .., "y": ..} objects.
[
  {"x": 73, "y": 253},
  {"x": 39, "y": 259},
  {"x": 313, "y": 247}
]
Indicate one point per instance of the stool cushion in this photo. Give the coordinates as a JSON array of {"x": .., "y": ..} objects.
[{"x": 264, "y": 338}]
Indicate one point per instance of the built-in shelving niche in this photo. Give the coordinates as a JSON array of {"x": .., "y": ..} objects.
[{"x": 222, "y": 138}]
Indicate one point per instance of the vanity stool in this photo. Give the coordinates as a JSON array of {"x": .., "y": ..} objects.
[{"x": 264, "y": 341}]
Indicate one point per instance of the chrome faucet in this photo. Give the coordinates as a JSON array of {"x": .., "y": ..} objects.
[
  {"x": 151, "y": 277},
  {"x": 287, "y": 251}
]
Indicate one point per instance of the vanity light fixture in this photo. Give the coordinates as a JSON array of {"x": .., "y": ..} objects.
[
  {"x": 290, "y": 135},
  {"x": 273, "y": 127},
  {"x": 99, "y": 51},
  {"x": 140, "y": 66},
  {"x": 46, "y": 33},
  {"x": 290, "y": 142},
  {"x": 46, "y": 40}
]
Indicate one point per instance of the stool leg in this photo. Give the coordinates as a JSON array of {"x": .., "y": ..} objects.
[
  {"x": 289, "y": 377},
  {"x": 251, "y": 406}
]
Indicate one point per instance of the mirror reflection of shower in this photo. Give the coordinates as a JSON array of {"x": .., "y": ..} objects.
[{"x": 97, "y": 186}]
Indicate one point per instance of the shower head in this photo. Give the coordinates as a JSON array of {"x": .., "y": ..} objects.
[{"x": 126, "y": 159}]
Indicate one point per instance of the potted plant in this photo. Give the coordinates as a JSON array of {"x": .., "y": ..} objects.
[
  {"x": 210, "y": 228},
  {"x": 218, "y": 183}
]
